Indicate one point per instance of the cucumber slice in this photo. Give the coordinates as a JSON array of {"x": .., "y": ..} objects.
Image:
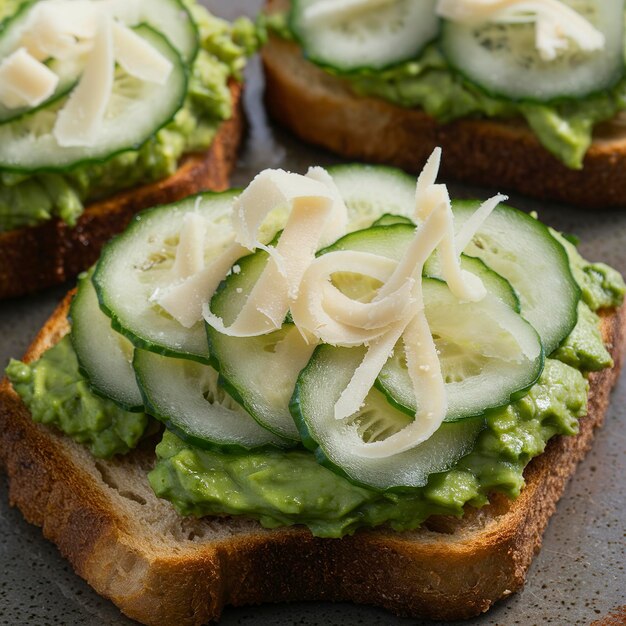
[
  {"x": 331, "y": 369},
  {"x": 187, "y": 398},
  {"x": 136, "y": 111},
  {"x": 260, "y": 372},
  {"x": 371, "y": 191},
  {"x": 521, "y": 249},
  {"x": 137, "y": 262},
  {"x": 104, "y": 356},
  {"x": 391, "y": 241},
  {"x": 385, "y": 35},
  {"x": 473, "y": 340},
  {"x": 503, "y": 59}
]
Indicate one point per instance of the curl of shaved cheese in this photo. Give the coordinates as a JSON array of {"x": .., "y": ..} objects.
[
  {"x": 80, "y": 119},
  {"x": 138, "y": 57},
  {"x": 313, "y": 205},
  {"x": 323, "y": 312},
  {"x": 556, "y": 24},
  {"x": 24, "y": 81},
  {"x": 428, "y": 195},
  {"x": 338, "y": 10},
  {"x": 428, "y": 237}
]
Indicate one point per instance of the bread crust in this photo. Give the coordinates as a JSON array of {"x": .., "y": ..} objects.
[
  {"x": 50, "y": 253},
  {"x": 448, "y": 569},
  {"x": 321, "y": 109}
]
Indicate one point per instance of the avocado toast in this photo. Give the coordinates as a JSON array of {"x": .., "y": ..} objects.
[
  {"x": 57, "y": 209},
  {"x": 326, "y": 568},
  {"x": 567, "y": 148}
]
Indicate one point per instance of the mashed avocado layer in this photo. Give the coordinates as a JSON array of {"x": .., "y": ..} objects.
[
  {"x": 281, "y": 488},
  {"x": 26, "y": 200},
  {"x": 288, "y": 487},
  {"x": 563, "y": 127},
  {"x": 57, "y": 394}
]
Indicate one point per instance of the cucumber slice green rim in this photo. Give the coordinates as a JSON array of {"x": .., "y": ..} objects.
[
  {"x": 330, "y": 369},
  {"x": 27, "y": 144},
  {"x": 521, "y": 249},
  {"x": 404, "y": 30},
  {"x": 501, "y": 59},
  {"x": 187, "y": 398},
  {"x": 104, "y": 356},
  {"x": 252, "y": 369},
  {"x": 389, "y": 219},
  {"x": 133, "y": 264}
]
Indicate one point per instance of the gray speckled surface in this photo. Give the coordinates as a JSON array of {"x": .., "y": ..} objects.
[{"x": 577, "y": 577}]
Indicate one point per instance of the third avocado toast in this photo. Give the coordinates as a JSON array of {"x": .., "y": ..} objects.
[{"x": 149, "y": 143}]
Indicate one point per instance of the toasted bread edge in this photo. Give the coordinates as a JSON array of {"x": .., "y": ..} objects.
[{"x": 321, "y": 109}]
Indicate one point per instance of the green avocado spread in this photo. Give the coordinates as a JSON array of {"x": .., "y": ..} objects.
[
  {"x": 57, "y": 394},
  {"x": 289, "y": 487},
  {"x": 26, "y": 200},
  {"x": 280, "y": 488},
  {"x": 564, "y": 127}
]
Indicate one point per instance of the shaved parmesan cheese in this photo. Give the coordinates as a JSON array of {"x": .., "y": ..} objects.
[
  {"x": 338, "y": 10},
  {"x": 184, "y": 301},
  {"x": 338, "y": 223},
  {"x": 24, "y": 81},
  {"x": 80, "y": 119},
  {"x": 556, "y": 24},
  {"x": 322, "y": 311},
  {"x": 190, "y": 251},
  {"x": 138, "y": 57},
  {"x": 312, "y": 207}
]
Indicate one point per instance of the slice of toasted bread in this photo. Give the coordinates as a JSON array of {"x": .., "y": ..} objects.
[
  {"x": 321, "y": 109},
  {"x": 160, "y": 568},
  {"x": 52, "y": 252}
]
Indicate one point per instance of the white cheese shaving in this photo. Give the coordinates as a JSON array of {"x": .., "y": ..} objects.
[
  {"x": 422, "y": 362},
  {"x": 80, "y": 119},
  {"x": 24, "y": 81},
  {"x": 339, "y": 10},
  {"x": 313, "y": 207},
  {"x": 324, "y": 312},
  {"x": 556, "y": 24},
  {"x": 185, "y": 300},
  {"x": 138, "y": 57},
  {"x": 190, "y": 250}
]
